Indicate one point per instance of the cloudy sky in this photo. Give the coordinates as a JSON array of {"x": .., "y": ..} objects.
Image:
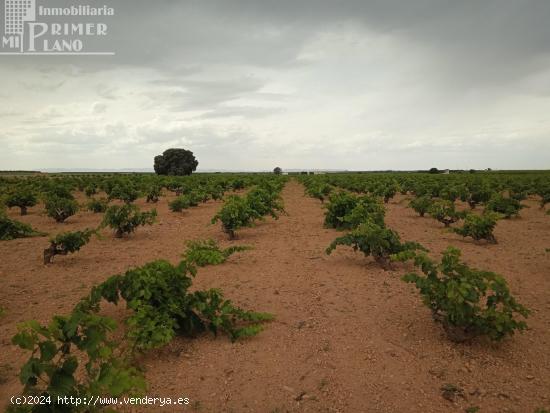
[{"x": 252, "y": 84}]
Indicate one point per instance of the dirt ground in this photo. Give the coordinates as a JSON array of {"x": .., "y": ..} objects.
[{"x": 348, "y": 337}]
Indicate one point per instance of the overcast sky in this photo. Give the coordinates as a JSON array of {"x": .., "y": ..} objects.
[{"x": 254, "y": 84}]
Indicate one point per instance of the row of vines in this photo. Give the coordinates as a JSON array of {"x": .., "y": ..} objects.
[
  {"x": 85, "y": 354},
  {"x": 118, "y": 207},
  {"x": 468, "y": 302}
]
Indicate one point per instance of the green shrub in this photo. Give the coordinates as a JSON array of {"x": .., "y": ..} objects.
[
  {"x": 11, "y": 229},
  {"x": 180, "y": 203},
  {"x": 90, "y": 190},
  {"x": 238, "y": 184},
  {"x": 216, "y": 192},
  {"x": 468, "y": 302},
  {"x": 421, "y": 204},
  {"x": 518, "y": 195},
  {"x": 22, "y": 198},
  {"x": 197, "y": 196},
  {"x": 452, "y": 193},
  {"x": 54, "y": 369},
  {"x": 67, "y": 242},
  {"x": 444, "y": 211},
  {"x": 162, "y": 306},
  {"x": 177, "y": 187},
  {"x": 235, "y": 213},
  {"x": 57, "y": 190},
  {"x": 387, "y": 191},
  {"x": 375, "y": 240},
  {"x": 319, "y": 191},
  {"x": 126, "y": 193},
  {"x": 264, "y": 202},
  {"x": 479, "y": 227},
  {"x": 479, "y": 194},
  {"x": 366, "y": 208},
  {"x": 544, "y": 194},
  {"x": 207, "y": 252},
  {"x": 340, "y": 204},
  {"x": 60, "y": 208},
  {"x": 98, "y": 206},
  {"x": 125, "y": 219},
  {"x": 508, "y": 207},
  {"x": 153, "y": 193}
]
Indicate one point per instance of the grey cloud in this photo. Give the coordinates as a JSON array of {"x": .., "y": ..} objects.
[
  {"x": 205, "y": 137},
  {"x": 106, "y": 91},
  {"x": 240, "y": 111},
  {"x": 271, "y": 33},
  {"x": 79, "y": 137},
  {"x": 393, "y": 83},
  {"x": 99, "y": 108},
  {"x": 42, "y": 86},
  {"x": 188, "y": 94},
  {"x": 9, "y": 113}
]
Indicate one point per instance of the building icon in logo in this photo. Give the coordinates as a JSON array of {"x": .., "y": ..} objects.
[{"x": 16, "y": 12}]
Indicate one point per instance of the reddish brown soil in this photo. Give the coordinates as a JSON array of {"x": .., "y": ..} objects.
[{"x": 349, "y": 337}]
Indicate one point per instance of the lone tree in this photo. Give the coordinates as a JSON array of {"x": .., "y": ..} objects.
[
  {"x": 433, "y": 171},
  {"x": 175, "y": 162},
  {"x": 277, "y": 171}
]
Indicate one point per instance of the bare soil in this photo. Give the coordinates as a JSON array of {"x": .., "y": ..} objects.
[{"x": 348, "y": 337}]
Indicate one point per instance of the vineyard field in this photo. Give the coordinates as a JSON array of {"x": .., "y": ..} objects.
[{"x": 347, "y": 335}]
